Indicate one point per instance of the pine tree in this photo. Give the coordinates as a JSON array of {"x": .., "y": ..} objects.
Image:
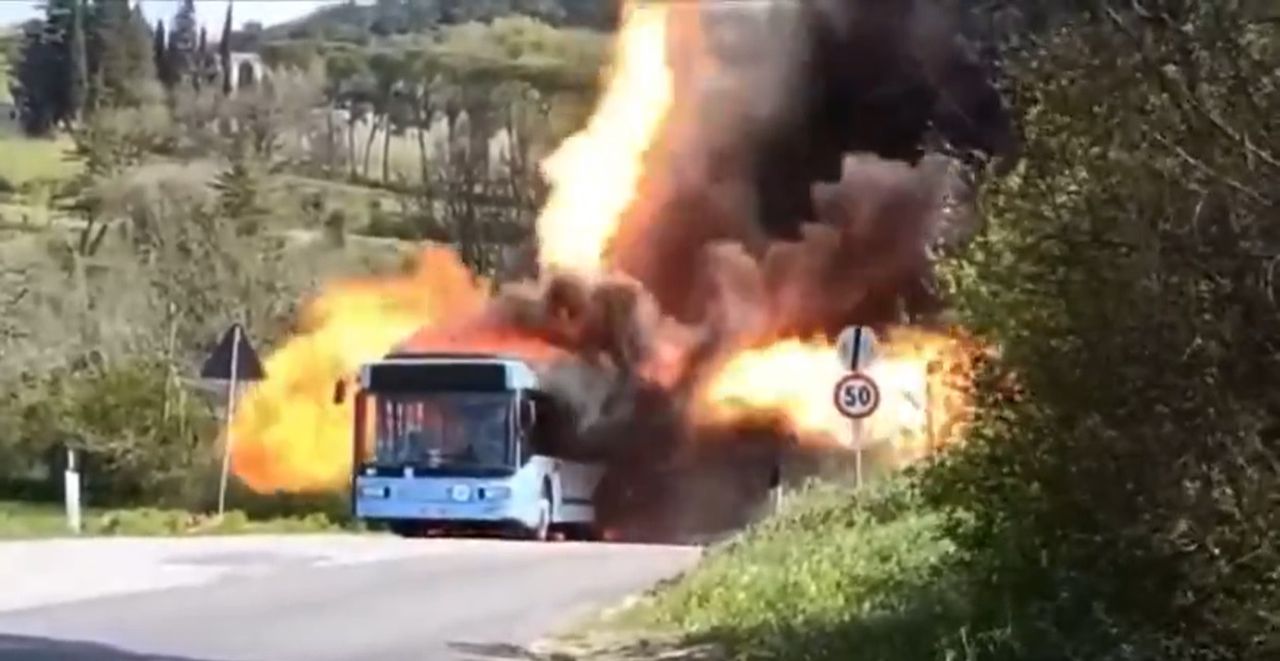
[{"x": 224, "y": 53}]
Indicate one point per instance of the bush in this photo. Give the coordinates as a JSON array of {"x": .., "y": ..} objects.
[
  {"x": 833, "y": 576},
  {"x": 140, "y": 435},
  {"x": 141, "y": 522},
  {"x": 1123, "y": 507}
]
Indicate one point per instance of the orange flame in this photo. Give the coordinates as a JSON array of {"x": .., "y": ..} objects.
[
  {"x": 595, "y": 173},
  {"x": 922, "y": 406},
  {"x": 287, "y": 433}
]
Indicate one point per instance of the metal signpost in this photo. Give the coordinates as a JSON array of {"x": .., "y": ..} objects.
[
  {"x": 856, "y": 394},
  {"x": 233, "y": 360}
]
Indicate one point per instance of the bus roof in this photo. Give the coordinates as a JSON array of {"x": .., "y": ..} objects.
[{"x": 447, "y": 371}]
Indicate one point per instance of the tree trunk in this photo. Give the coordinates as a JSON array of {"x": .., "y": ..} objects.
[
  {"x": 368, "y": 146},
  {"x": 331, "y": 149},
  {"x": 423, "y": 126},
  {"x": 351, "y": 143},
  {"x": 386, "y": 150}
]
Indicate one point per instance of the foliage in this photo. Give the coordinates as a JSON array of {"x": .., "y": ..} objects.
[
  {"x": 833, "y": 576},
  {"x": 120, "y": 59},
  {"x": 83, "y": 56},
  {"x": 182, "y": 43},
  {"x": 353, "y": 22},
  {"x": 1122, "y": 507},
  {"x": 138, "y": 439},
  {"x": 41, "y": 84}
]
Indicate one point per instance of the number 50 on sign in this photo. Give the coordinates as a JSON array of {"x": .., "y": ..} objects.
[{"x": 857, "y": 396}]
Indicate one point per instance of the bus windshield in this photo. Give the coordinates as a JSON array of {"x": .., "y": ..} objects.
[{"x": 466, "y": 430}]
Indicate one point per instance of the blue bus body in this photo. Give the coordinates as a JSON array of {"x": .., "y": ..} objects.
[{"x": 452, "y": 442}]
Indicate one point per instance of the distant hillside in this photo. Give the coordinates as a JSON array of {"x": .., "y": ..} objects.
[{"x": 357, "y": 23}]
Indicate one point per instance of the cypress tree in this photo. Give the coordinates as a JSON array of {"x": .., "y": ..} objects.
[
  {"x": 160, "y": 55},
  {"x": 183, "y": 41},
  {"x": 224, "y": 52},
  {"x": 200, "y": 60},
  {"x": 79, "y": 57},
  {"x": 42, "y": 85},
  {"x": 141, "y": 61}
]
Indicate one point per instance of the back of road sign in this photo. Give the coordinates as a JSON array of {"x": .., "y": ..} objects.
[
  {"x": 218, "y": 364},
  {"x": 856, "y": 347}
]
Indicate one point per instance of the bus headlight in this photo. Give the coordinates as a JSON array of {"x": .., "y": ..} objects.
[
  {"x": 460, "y": 493},
  {"x": 495, "y": 493},
  {"x": 375, "y": 492}
]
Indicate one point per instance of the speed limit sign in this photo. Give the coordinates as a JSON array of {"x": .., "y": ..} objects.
[{"x": 857, "y": 396}]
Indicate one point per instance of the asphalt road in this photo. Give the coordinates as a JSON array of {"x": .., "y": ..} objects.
[{"x": 317, "y": 598}]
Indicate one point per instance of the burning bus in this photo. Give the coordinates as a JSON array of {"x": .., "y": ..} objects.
[
  {"x": 465, "y": 441},
  {"x": 721, "y": 215}
]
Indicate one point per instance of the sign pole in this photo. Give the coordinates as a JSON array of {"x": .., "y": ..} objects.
[
  {"x": 231, "y": 412},
  {"x": 930, "y": 436},
  {"x": 856, "y": 424},
  {"x": 857, "y": 396}
]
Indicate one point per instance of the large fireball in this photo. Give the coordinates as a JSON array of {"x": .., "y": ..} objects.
[{"x": 741, "y": 357}]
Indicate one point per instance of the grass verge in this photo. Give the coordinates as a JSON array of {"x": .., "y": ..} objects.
[
  {"x": 20, "y": 520},
  {"x": 27, "y": 160},
  {"x": 834, "y": 576}
]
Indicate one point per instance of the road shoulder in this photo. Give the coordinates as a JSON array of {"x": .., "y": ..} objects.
[{"x": 611, "y": 636}]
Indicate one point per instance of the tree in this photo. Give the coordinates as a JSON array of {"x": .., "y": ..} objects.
[
  {"x": 121, "y": 56},
  {"x": 389, "y": 73},
  {"x": 239, "y": 197},
  {"x": 160, "y": 56},
  {"x": 1120, "y": 504},
  {"x": 79, "y": 62},
  {"x": 344, "y": 70},
  {"x": 183, "y": 40},
  {"x": 224, "y": 53},
  {"x": 42, "y": 82}
]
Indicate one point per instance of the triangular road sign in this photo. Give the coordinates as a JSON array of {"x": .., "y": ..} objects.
[{"x": 218, "y": 364}]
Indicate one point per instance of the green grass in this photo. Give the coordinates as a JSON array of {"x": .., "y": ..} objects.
[
  {"x": 21, "y": 520},
  {"x": 28, "y": 160},
  {"x": 833, "y": 576},
  {"x": 30, "y": 520}
]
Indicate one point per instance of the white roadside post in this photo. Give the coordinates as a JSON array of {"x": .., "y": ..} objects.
[
  {"x": 856, "y": 395},
  {"x": 71, "y": 492}
]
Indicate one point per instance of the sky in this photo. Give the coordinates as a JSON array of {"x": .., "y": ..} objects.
[{"x": 211, "y": 12}]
